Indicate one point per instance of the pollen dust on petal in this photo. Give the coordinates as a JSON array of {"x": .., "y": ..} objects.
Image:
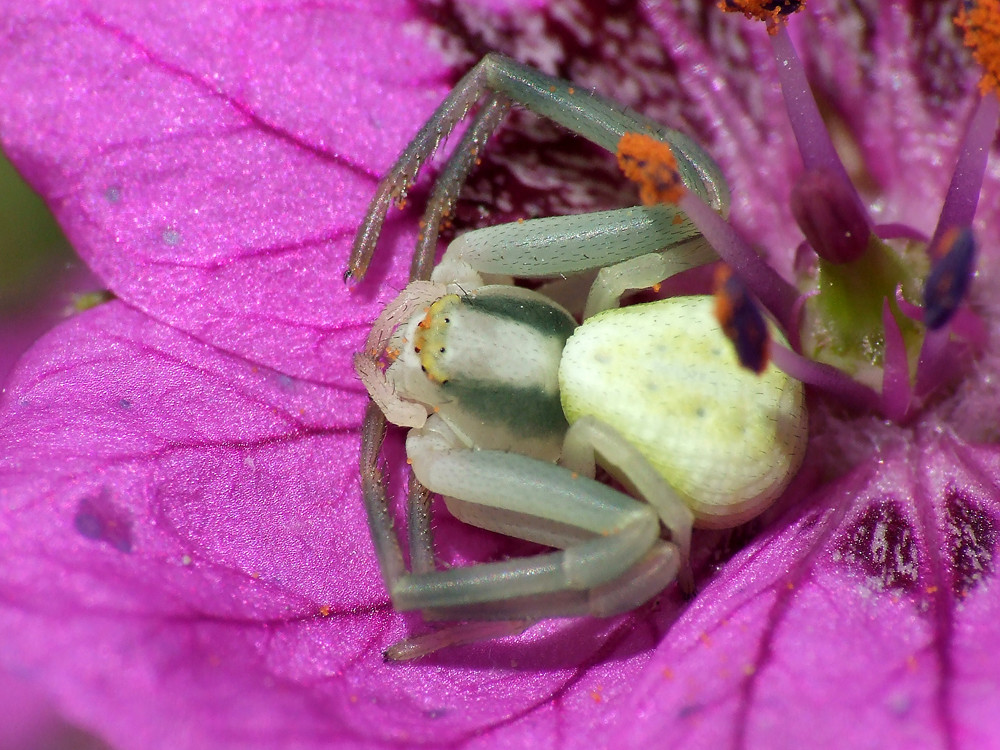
[
  {"x": 651, "y": 165},
  {"x": 981, "y": 23}
]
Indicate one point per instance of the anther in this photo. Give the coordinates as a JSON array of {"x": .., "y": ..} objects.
[
  {"x": 948, "y": 282},
  {"x": 741, "y": 320},
  {"x": 981, "y": 23},
  {"x": 652, "y": 166},
  {"x": 762, "y": 10},
  {"x": 827, "y": 211}
]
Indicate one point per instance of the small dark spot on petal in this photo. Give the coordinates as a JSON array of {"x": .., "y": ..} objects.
[
  {"x": 972, "y": 537},
  {"x": 124, "y": 404},
  {"x": 882, "y": 545},
  {"x": 98, "y": 518},
  {"x": 690, "y": 709}
]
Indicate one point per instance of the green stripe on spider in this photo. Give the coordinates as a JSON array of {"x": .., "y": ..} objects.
[
  {"x": 533, "y": 412},
  {"x": 540, "y": 315}
]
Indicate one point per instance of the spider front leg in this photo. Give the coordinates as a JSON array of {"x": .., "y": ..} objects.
[
  {"x": 588, "y": 114},
  {"x": 634, "y": 248}
]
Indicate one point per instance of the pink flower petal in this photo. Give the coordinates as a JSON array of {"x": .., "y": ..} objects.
[
  {"x": 185, "y": 562},
  {"x": 211, "y": 163},
  {"x": 868, "y": 621}
]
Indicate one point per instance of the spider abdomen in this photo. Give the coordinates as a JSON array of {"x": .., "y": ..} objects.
[{"x": 664, "y": 376}]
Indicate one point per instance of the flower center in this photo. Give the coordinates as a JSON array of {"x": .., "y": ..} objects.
[{"x": 878, "y": 315}]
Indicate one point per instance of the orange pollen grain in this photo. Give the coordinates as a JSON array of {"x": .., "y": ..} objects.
[
  {"x": 980, "y": 23},
  {"x": 772, "y": 11},
  {"x": 651, "y": 165}
]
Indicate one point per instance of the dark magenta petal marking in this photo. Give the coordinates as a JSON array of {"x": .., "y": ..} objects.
[
  {"x": 98, "y": 518},
  {"x": 881, "y": 544}
]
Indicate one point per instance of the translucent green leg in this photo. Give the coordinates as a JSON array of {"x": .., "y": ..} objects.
[
  {"x": 600, "y": 533},
  {"x": 592, "y": 116},
  {"x": 640, "y": 583},
  {"x": 559, "y": 245},
  {"x": 450, "y": 180},
  {"x": 588, "y": 436}
]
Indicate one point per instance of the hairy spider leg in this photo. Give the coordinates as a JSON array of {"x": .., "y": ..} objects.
[
  {"x": 451, "y": 179},
  {"x": 627, "y": 245},
  {"x": 588, "y": 437},
  {"x": 588, "y": 114}
]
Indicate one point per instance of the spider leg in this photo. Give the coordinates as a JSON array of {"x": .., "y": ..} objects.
[
  {"x": 608, "y": 554},
  {"x": 609, "y": 558},
  {"x": 589, "y": 438},
  {"x": 642, "y": 272},
  {"x": 557, "y": 245},
  {"x": 586, "y": 113},
  {"x": 373, "y": 491},
  {"x": 640, "y": 583},
  {"x": 418, "y": 526},
  {"x": 449, "y": 182},
  {"x": 634, "y": 248},
  {"x": 598, "y": 532}
]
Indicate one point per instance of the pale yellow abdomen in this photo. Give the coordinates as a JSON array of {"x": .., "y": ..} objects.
[{"x": 665, "y": 377}]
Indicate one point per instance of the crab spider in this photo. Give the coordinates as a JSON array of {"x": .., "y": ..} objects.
[{"x": 511, "y": 404}]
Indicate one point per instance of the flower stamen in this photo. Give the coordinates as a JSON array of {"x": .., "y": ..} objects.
[
  {"x": 829, "y": 216},
  {"x": 643, "y": 161},
  {"x": 652, "y": 166},
  {"x": 811, "y": 134},
  {"x": 897, "y": 391},
  {"x": 967, "y": 180}
]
